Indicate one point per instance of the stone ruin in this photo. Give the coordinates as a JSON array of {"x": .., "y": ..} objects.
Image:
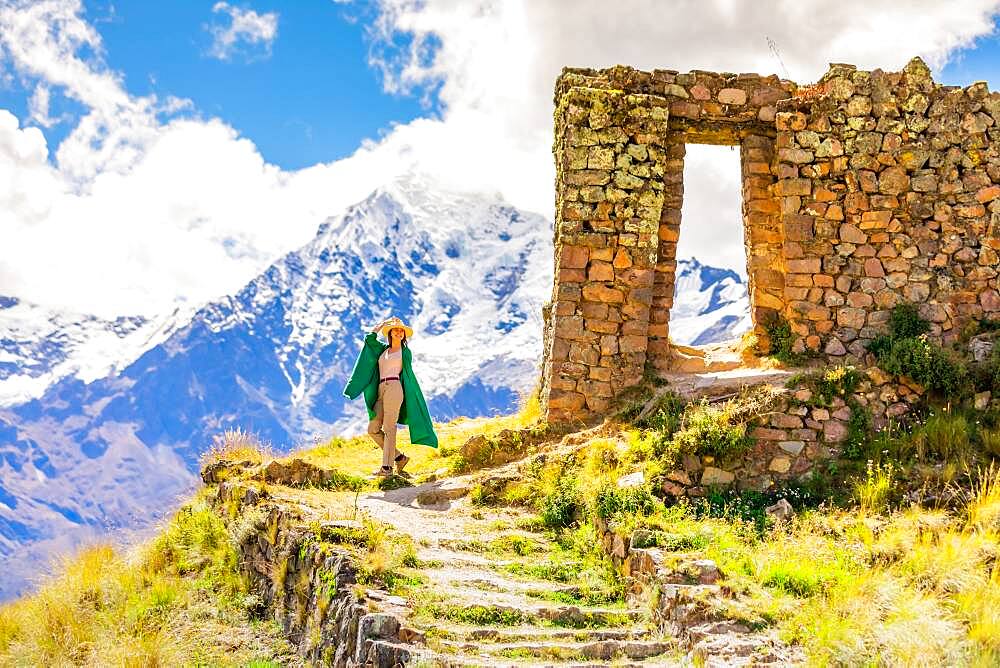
[{"x": 861, "y": 191}]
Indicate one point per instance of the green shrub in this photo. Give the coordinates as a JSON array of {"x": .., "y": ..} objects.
[
  {"x": 945, "y": 436},
  {"x": 612, "y": 500},
  {"x": 905, "y": 322},
  {"x": 666, "y": 416},
  {"x": 858, "y": 431},
  {"x": 558, "y": 507},
  {"x": 839, "y": 381},
  {"x": 921, "y": 360},
  {"x": 906, "y": 351},
  {"x": 779, "y": 331},
  {"x": 713, "y": 431},
  {"x": 990, "y": 441},
  {"x": 873, "y": 493},
  {"x": 985, "y": 375},
  {"x": 794, "y": 578},
  {"x": 748, "y": 506}
]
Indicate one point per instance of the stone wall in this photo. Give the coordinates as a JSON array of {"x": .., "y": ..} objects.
[
  {"x": 859, "y": 192},
  {"x": 309, "y": 590}
]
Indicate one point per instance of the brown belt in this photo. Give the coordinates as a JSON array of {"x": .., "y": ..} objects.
[{"x": 382, "y": 380}]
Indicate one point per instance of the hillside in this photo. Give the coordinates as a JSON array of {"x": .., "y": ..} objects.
[{"x": 520, "y": 544}]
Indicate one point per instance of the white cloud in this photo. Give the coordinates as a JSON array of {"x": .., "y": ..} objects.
[
  {"x": 246, "y": 29},
  {"x": 496, "y": 63},
  {"x": 38, "y": 107},
  {"x": 144, "y": 206}
]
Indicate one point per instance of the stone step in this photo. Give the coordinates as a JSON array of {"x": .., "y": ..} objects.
[
  {"x": 538, "y": 612},
  {"x": 447, "y": 557},
  {"x": 501, "y": 597},
  {"x": 693, "y": 386},
  {"x": 509, "y": 634},
  {"x": 596, "y": 649},
  {"x": 491, "y": 580},
  {"x": 386, "y": 653},
  {"x": 486, "y": 543}
]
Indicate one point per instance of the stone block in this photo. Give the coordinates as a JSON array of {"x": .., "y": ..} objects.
[
  {"x": 601, "y": 293},
  {"x": 715, "y": 476},
  {"x": 792, "y": 447},
  {"x": 573, "y": 257},
  {"x": 780, "y": 465}
]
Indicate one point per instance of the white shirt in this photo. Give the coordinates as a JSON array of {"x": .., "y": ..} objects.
[{"x": 390, "y": 363}]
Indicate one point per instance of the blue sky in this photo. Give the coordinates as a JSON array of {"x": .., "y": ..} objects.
[
  {"x": 980, "y": 63},
  {"x": 153, "y": 212},
  {"x": 311, "y": 99},
  {"x": 312, "y": 96}
]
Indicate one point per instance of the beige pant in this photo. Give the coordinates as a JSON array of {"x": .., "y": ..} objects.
[{"x": 382, "y": 427}]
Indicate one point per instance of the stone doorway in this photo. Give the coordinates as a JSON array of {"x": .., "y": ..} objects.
[
  {"x": 710, "y": 302},
  {"x": 761, "y": 232},
  {"x": 620, "y": 144}
]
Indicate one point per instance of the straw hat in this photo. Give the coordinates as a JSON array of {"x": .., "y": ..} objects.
[{"x": 395, "y": 322}]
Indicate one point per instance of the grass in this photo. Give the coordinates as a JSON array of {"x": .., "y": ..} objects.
[
  {"x": 873, "y": 491},
  {"x": 359, "y": 456},
  {"x": 177, "y": 600},
  {"x": 237, "y": 445},
  {"x": 869, "y": 583},
  {"x": 387, "y": 559},
  {"x": 912, "y": 587}
]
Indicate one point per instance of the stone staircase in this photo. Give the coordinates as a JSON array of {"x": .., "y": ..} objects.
[
  {"x": 542, "y": 621},
  {"x": 480, "y": 588}
]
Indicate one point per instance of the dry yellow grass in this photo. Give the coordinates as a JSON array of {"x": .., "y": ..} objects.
[
  {"x": 173, "y": 601},
  {"x": 237, "y": 445}
]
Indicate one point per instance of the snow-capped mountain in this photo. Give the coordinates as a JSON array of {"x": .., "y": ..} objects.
[
  {"x": 710, "y": 304},
  {"x": 124, "y": 408},
  {"x": 39, "y": 346},
  {"x": 468, "y": 273}
]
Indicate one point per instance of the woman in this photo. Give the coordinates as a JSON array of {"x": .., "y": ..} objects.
[{"x": 384, "y": 374}]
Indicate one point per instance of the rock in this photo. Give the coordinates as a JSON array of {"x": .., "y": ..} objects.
[
  {"x": 716, "y": 476},
  {"x": 982, "y": 400},
  {"x": 893, "y": 180},
  {"x": 642, "y": 538},
  {"x": 618, "y": 546},
  {"x": 805, "y": 394},
  {"x": 834, "y": 431},
  {"x": 672, "y": 489},
  {"x": 679, "y": 476},
  {"x": 732, "y": 96},
  {"x": 780, "y": 465},
  {"x": 222, "y": 470},
  {"x": 792, "y": 447},
  {"x": 438, "y": 493},
  {"x": 691, "y": 463},
  {"x": 981, "y": 346},
  {"x": 852, "y": 234},
  {"x": 781, "y": 511},
  {"x": 990, "y": 300},
  {"x": 877, "y": 376},
  {"x": 707, "y": 570},
  {"x": 835, "y": 347},
  {"x": 636, "y": 479},
  {"x": 296, "y": 473}
]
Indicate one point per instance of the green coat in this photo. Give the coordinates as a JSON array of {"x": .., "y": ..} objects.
[{"x": 364, "y": 379}]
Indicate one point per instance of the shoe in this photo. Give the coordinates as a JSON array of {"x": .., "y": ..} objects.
[
  {"x": 384, "y": 471},
  {"x": 401, "y": 462}
]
